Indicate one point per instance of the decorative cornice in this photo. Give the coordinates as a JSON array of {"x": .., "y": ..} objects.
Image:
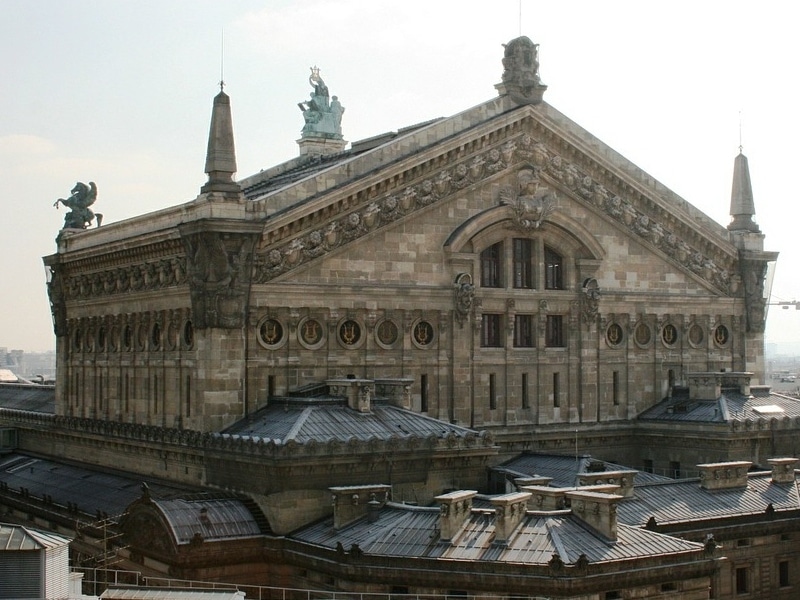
[{"x": 522, "y": 145}]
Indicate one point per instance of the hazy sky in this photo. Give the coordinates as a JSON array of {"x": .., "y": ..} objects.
[{"x": 119, "y": 92}]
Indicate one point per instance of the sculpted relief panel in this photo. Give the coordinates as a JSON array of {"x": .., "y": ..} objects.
[{"x": 538, "y": 164}]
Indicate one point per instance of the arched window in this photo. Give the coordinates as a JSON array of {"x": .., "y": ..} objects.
[
  {"x": 492, "y": 266},
  {"x": 553, "y": 270}
]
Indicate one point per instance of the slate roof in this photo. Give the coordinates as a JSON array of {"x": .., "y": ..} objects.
[
  {"x": 731, "y": 406},
  {"x": 93, "y": 491},
  {"x": 684, "y": 500},
  {"x": 32, "y": 397},
  {"x": 144, "y": 593},
  {"x": 404, "y": 531},
  {"x": 564, "y": 469},
  {"x": 323, "y": 419},
  {"x": 19, "y": 538}
]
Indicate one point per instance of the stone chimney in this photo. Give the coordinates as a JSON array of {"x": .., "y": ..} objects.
[
  {"x": 622, "y": 479},
  {"x": 357, "y": 391},
  {"x": 724, "y": 475},
  {"x": 597, "y": 510},
  {"x": 509, "y": 510},
  {"x": 521, "y": 482},
  {"x": 396, "y": 391},
  {"x": 545, "y": 498},
  {"x": 708, "y": 386},
  {"x": 455, "y": 509},
  {"x": 351, "y": 503},
  {"x": 782, "y": 469}
]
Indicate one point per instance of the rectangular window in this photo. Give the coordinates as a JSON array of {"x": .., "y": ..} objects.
[
  {"x": 743, "y": 580},
  {"x": 783, "y": 573},
  {"x": 615, "y": 387},
  {"x": 523, "y": 331},
  {"x": 492, "y": 266},
  {"x": 491, "y": 333},
  {"x": 492, "y": 391},
  {"x": 675, "y": 469},
  {"x": 553, "y": 270},
  {"x": 556, "y": 391},
  {"x": 554, "y": 331},
  {"x": 523, "y": 265},
  {"x": 526, "y": 402},
  {"x": 647, "y": 465},
  {"x": 423, "y": 392},
  {"x": 188, "y": 393}
]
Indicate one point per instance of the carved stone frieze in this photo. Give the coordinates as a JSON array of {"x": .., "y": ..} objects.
[
  {"x": 145, "y": 277},
  {"x": 525, "y": 149}
]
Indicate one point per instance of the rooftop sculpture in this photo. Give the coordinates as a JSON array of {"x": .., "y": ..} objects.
[
  {"x": 322, "y": 113},
  {"x": 81, "y": 197}
]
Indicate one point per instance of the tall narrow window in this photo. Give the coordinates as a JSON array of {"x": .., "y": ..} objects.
[
  {"x": 554, "y": 333},
  {"x": 491, "y": 333},
  {"x": 492, "y": 391},
  {"x": 492, "y": 266},
  {"x": 647, "y": 465},
  {"x": 423, "y": 392},
  {"x": 523, "y": 265},
  {"x": 270, "y": 386},
  {"x": 556, "y": 390},
  {"x": 127, "y": 392},
  {"x": 615, "y": 387},
  {"x": 783, "y": 573},
  {"x": 155, "y": 394},
  {"x": 188, "y": 393},
  {"x": 523, "y": 331},
  {"x": 526, "y": 402},
  {"x": 743, "y": 580},
  {"x": 675, "y": 469},
  {"x": 553, "y": 270}
]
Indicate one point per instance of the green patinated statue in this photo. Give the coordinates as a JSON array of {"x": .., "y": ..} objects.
[
  {"x": 81, "y": 197},
  {"x": 322, "y": 114}
]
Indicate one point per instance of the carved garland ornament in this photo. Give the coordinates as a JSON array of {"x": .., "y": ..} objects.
[{"x": 523, "y": 148}]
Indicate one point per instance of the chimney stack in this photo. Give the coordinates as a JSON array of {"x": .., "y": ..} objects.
[
  {"x": 455, "y": 509},
  {"x": 724, "y": 475},
  {"x": 782, "y": 469},
  {"x": 509, "y": 510},
  {"x": 351, "y": 503},
  {"x": 597, "y": 510},
  {"x": 622, "y": 479}
]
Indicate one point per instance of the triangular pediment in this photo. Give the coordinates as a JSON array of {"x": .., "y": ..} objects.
[{"x": 482, "y": 151}]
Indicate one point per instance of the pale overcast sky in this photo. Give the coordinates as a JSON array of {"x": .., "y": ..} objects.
[{"x": 119, "y": 92}]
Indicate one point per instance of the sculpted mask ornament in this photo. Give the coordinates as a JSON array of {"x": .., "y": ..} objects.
[
  {"x": 530, "y": 202},
  {"x": 590, "y": 300},
  {"x": 464, "y": 295}
]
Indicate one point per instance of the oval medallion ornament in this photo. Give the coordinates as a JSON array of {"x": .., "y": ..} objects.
[
  {"x": 387, "y": 333},
  {"x": 615, "y": 335},
  {"x": 271, "y": 333},
  {"x": 311, "y": 333},
  {"x": 422, "y": 334}
]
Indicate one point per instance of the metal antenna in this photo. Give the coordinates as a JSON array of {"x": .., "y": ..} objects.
[
  {"x": 740, "y": 132},
  {"x": 520, "y": 18},
  {"x": 222, "y": 60}
]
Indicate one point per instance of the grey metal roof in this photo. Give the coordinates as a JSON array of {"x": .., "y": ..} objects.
[
  {"x": 405, "y": 531},
  {"x": 211, "y": 518},
  {"x": 19, "y": 538},
  {"x": 320, "y": 420},
  {"x": 92, "y": 491},
  {"x": 685, "y": 500},
  {"x": 564, "y": 469},
  {"x": 32, "y": 397},
  {"x": 144, "y": 593},
  {"x": 731, "y": 406}
]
